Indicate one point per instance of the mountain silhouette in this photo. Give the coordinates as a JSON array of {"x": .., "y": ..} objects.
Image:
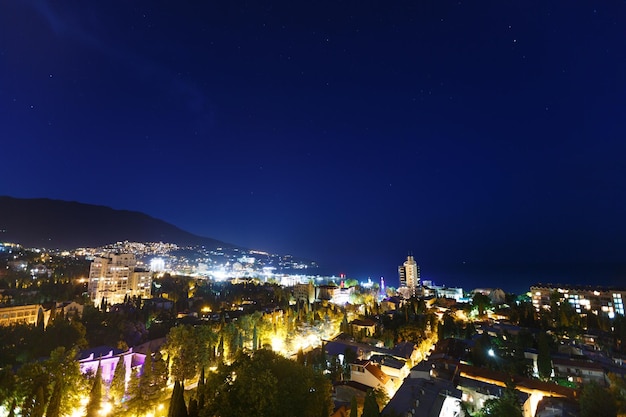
[{"x": 57, "y": 224}]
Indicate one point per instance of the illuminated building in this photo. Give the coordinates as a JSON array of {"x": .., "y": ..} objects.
[
  {"x": 440, "y": 291},
  {"x": 334, "y": 294},
  {"x": 409, "y": 274},
  {"x": 304, "y": 292},
  {"x": 28, "y": 314},
  {"x": 107, "y": 358},
  {"x": 578, "y": 371},
  {"x": 115, "y": 276},
  {"x": 367, "y": 373},
  {"x": 597, "y": 300}
]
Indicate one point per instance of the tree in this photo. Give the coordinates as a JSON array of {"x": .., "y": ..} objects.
[
  {"x": 159, "y": 371},
  {"x": 54, "y": 406},
  {"x": 595, "y": 401},
  {"x": 69, "y": 384},
  {"x": 479, "y": 352},
  {"x": 481, "y": 302},
  {"x": 181, "y": 407},
  {"x": 618, "y": 389},
  {"x": 300, "y": 356},
  {"x": 370, "y": 406},
  {"x": 7, "y": 387},
  {"x": 95, "y": 397},
  {"x": 381, "y": 397},
  {"x": 205, "y": 340},
  {"x": 173, "y": 406},
  {"x": 32, "y": 384},
  {"x": 200, "y": 392},
  {"x": 177, "y": 401},
  {"x": 40, "y": 403},
  {"x": 182, "y": 354},
  {"x": 220, "y": 348},
  {"x": 145, "y": 392},
  {"x": 354, "y": 410},
  {"x": 117, "y": 390},
  {"x": 544, "y": 360},
  {"x": 12, "y": 408},
  {"x": 266, "y": 384},
  {"x": 193, "y": 408},
  {"x": 508, "y": 405}
]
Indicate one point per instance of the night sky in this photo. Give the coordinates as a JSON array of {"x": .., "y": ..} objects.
[{"x": 487, "y": 138}]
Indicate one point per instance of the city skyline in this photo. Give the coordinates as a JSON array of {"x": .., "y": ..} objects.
[{"x": 486, "y": 140}]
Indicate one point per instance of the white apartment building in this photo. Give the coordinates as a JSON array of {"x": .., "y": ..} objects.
[{"x": 114, "y": 276}]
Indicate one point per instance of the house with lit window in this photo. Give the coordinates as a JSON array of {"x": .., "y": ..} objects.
[
  {"x": 371, "y": 375},
  {"x": 396, "y": 369},
  {"x": 579, "y": 371},
  {"x": 365, "y": 327}
]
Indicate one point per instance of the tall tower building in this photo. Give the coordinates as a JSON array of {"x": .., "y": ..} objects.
[
  {"x": 409, "y": 274},
  {"x": 113, "y": 277}
]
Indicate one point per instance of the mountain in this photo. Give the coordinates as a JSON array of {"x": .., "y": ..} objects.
[{"x": 60, "y": 224}]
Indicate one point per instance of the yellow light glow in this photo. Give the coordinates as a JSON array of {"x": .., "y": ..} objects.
[
  {"x": 278, "y": 344},
  {"x": 105, "y": 408}
]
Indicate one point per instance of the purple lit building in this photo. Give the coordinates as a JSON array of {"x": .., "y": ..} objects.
[{"x": 107, "y": 358}]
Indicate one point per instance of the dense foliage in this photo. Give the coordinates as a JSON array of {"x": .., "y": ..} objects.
[{"x": 264, "y": 383}]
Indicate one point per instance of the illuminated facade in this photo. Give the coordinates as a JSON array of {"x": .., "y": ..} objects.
[
  {"x": 115, "y": 276},
  {"x": 107, "y": 358},
  {"x": 28, "y": 314},
  {"x": 334, "y": 294},
  {"x": 409, "y": 273},
  {"x": 304, "y": 292},
  {"x": 597, "y": 300},
  {"x": 369, "y": 374}
]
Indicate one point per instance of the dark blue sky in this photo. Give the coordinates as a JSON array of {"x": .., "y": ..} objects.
[{"x": 488, "y": 139}]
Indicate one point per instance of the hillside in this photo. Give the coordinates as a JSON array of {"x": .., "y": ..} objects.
[{"x": 64, "y": 225}]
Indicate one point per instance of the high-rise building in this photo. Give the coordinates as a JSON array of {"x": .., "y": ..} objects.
[
  {"x": 112, "y": 277},
  {"x": 409, "y": 273}
]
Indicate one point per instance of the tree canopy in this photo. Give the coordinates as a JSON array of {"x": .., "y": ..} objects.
[
  {"x": 264, "y": 383},
  {"x": 595, "y": 401}
]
